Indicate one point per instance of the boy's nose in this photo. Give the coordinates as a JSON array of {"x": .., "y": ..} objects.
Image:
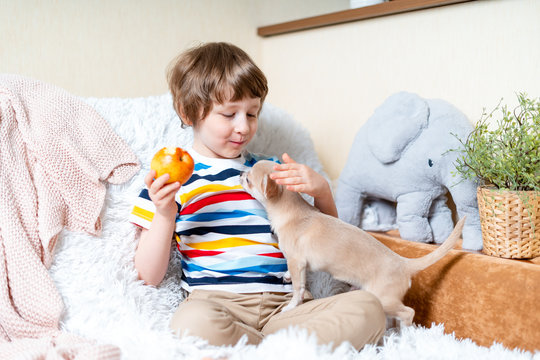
[{"x": 242, "y": 125}]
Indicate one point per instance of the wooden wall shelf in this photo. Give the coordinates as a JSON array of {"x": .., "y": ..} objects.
[{"x": 340, "y": 17}]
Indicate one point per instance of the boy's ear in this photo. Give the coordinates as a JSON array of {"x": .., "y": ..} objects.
[
  {"x": 183, "y": 117},
  {"x": 271, "y": 188}
]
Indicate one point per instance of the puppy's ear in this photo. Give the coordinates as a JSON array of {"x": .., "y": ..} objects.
[{"x": 271, "y": 188}]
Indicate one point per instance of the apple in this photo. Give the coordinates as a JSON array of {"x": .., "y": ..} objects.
[{"x": 174, "y": 161}]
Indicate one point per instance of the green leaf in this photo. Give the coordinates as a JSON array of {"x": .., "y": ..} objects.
[{"x": 507, "y": 156}]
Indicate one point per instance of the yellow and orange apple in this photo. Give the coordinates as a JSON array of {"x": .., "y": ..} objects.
[{"x": 174, "y": 161}]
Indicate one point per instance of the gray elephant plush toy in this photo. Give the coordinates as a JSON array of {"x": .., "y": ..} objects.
[{"x": 401, "y": 155}]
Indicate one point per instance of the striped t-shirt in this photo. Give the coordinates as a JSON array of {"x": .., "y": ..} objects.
[{"x": 222, "y": 233}]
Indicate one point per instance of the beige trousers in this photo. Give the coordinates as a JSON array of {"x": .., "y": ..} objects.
[{"x": 223, "y": 317}]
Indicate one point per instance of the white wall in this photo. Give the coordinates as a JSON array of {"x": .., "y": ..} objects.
[
  {"x": 114, "y": 47},
  {"x": 122, "y": 47},
  {"x": 472, "y": 54}
]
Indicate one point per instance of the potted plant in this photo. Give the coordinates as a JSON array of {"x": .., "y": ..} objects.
[{"x": 506, "y": 161}]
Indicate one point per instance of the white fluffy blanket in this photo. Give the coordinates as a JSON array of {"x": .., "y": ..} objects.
[{"x": 105, "y": 301}]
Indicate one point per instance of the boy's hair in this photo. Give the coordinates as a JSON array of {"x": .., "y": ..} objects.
[{"x": 212, "y": 72}]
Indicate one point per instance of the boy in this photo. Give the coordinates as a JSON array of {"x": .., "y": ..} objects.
[{"x": 232, "y": 265}]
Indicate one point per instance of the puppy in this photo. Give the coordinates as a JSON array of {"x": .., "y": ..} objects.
[{"x": 312, "y": 240}]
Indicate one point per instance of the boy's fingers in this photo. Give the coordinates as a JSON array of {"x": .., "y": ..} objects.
[
  {"x": 281, "y": 166},
  {"x": 283, "y": 174},
  {"x": 288, "y": 159},
  {"x": 296, "y": 188},
  {"x": 159, "y": 183},
  {"x": 169, "y": 190},
  {"x": 149, "y": 178},
  {"x": 289, "y": 180},
  {"x": 284, "y": 167}
]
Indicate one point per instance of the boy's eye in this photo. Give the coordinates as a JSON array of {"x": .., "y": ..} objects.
[
  {"x": 252, "y": 115},
  {"x": 228, "y": 115}
]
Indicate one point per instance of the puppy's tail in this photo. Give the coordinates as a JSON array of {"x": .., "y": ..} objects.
[{"x": 418, "y": 264}]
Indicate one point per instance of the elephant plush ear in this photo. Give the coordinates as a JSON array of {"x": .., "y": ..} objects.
[{"x": 395, "y": 124}]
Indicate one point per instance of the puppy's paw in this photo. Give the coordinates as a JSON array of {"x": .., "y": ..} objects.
[
  {"x": 392, "y": 323},
  {"x": 287, "y": 276},
  {"x": 295, "y": 301},
  {"x": 291, "y": 305}
]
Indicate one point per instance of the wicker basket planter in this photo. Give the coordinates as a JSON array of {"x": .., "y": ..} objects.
[{"x": 510, "y": 222}]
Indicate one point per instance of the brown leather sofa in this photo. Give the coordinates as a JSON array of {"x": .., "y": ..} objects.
[{"x": 476, "y": 296}]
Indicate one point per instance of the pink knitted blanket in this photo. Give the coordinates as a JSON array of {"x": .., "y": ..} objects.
[{"x": 56, "y": 154}]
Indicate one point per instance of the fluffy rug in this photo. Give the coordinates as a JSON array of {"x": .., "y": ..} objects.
[{"x": 105, "y": 301}]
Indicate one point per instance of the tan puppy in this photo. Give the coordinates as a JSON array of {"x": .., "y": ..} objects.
[{"x": 312, "y": 240}]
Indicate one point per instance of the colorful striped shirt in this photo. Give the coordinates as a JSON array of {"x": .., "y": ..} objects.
[{"x": 222, "y": 233}]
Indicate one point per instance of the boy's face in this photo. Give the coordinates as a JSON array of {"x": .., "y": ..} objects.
[{"x": 227, "y": 129}]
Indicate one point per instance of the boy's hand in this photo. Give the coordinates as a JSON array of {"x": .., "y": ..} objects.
[
  {"x": 299, "y": 177},
  {"x": 161, "y": 194}
]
